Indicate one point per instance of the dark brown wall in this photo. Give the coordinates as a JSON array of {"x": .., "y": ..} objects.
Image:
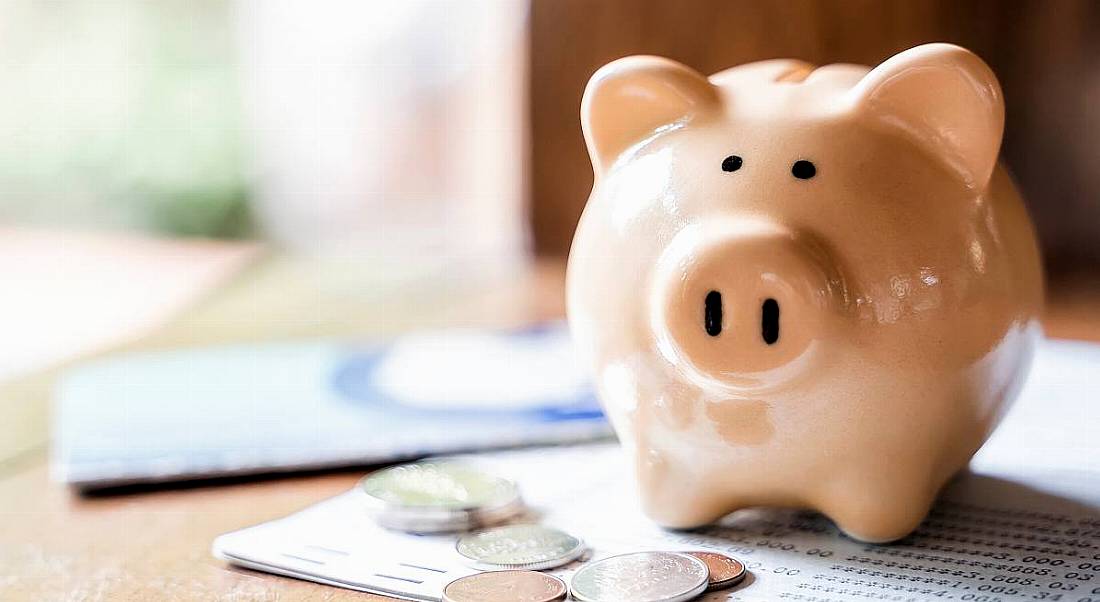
[{"x": 1046, "y": 53}]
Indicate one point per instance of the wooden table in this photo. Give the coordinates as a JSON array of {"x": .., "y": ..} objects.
[{"x": 155, "y": 545}]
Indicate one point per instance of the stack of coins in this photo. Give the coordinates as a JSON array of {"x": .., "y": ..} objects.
[
  {"x": 439, "y": 497},
  {"x": 449, "y": 496},
  {"x": 531, "y": 547},
  {"x": 637, "y": 577}
]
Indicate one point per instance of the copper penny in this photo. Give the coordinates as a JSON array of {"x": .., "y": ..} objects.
[
  {"x": 724, "y": 570},
  {"x": 506, "y": 586}
]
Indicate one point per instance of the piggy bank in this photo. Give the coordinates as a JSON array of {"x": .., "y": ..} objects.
[{"x": 802, "y": 286}]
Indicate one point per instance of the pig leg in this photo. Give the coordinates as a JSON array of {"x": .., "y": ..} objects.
[
  {"x": 877, "y": 510},
  {"x": 672, "y": 495}
]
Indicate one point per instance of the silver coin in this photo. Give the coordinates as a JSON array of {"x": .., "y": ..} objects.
[
  {"x": 531, "y": 547},
  {"x": 436, "y": 485},
  {"x": 436, "y": 497},
  {"x": 426, "y": 521},
  {"x": 641, "y": 577},
  {"x": 506, "y": 586}
]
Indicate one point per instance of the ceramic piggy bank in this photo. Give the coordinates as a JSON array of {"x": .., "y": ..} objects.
[{"x": 802, "y": 286}]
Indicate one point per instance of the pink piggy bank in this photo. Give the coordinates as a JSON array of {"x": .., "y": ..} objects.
[{"x": 802, "y": 286}]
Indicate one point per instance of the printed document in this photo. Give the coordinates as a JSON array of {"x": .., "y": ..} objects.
[{"x": 1023, "y": 523}]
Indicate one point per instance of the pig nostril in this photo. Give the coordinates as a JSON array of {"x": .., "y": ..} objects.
[
  {"x": 712, "y": 313},
  {"x": 769, "y": 321}
]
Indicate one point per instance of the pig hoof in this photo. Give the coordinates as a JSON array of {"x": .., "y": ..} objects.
[{"x": 880, "y": 519}]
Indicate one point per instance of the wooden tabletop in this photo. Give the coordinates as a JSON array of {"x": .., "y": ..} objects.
[{"x": 155, "y": 544}]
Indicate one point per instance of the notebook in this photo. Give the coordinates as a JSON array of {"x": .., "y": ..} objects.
[{"x": 209, "y": 412}]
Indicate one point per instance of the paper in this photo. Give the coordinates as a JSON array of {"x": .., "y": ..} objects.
[{"x": 1022, "y": 524}]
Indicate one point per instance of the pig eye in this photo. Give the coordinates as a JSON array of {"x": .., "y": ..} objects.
[
  {"x": 731, "y": 163},
  {"x": 803, "y": 169}
]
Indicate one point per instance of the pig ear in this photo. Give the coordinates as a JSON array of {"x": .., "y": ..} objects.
[
  {"x": 947, "y": 99},
  {"x": 629, "y": 99}
]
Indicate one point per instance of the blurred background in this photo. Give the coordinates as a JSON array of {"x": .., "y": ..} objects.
[
  {"x": 447, "y": 127},
  {"x": 332, "y": 167},
  {"x": 311, "y": 126}
]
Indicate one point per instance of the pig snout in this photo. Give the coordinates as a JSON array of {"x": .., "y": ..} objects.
[{"x": 742, "y": 301}]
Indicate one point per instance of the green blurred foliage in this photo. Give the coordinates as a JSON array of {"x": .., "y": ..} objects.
[{"x": 122, "y": 113}]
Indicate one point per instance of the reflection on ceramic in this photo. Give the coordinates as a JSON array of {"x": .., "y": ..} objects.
[{"x": 802, "y": 286}]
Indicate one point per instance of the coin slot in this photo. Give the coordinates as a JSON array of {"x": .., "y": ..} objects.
[
  {"x": 712, "y": 313},
  {"x": 769, "y": 321}
]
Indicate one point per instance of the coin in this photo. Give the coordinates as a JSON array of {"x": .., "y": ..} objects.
[
  {"x": 506, "y": 586},
  {"x": 434, "y": 497},
  {"x": 531, "y": 547},
  {"x": 428, "y": 520},
  {"x": 449, "y": 485},
  {"x": 724, "y": 570},
  {"x": 641, "y": 577}
]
